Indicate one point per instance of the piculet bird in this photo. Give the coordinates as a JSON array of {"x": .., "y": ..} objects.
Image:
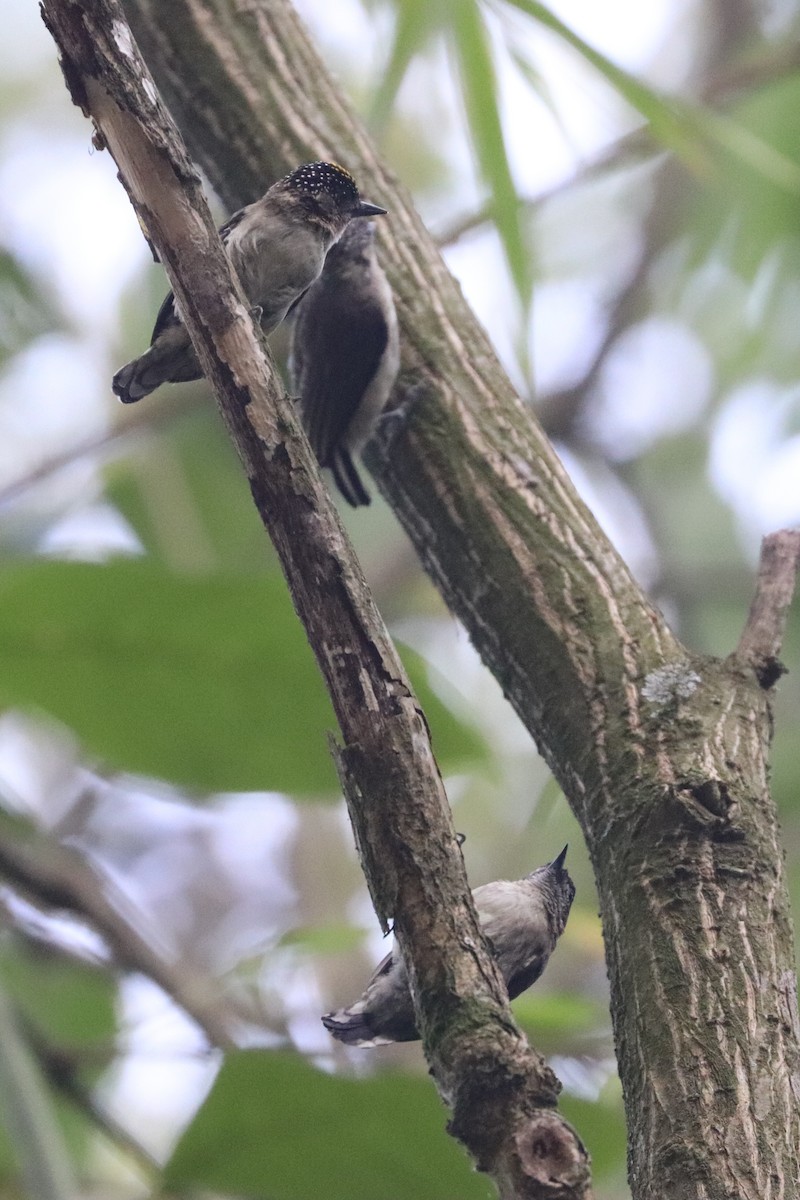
[
  {"x": 521, "y": 920},
  {"x": 345, "y": 355},
  {"x": 277, "y": 246}
]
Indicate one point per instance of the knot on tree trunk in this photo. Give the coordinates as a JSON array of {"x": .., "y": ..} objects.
[{"x": 549, "y": 1157}]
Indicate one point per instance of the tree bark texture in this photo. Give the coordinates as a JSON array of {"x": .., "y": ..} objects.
[
  {"x": 502, "y": 1095},
  {"x": 662, "y": 753}
]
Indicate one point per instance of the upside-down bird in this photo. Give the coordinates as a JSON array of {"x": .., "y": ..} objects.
[{"x": 521, "y": 920}]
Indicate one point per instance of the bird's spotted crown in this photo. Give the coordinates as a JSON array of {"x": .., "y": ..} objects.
[{"x": 313, "y": 178}]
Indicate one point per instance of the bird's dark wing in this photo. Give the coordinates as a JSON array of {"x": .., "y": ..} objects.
[
  {"x": 292, "y": 309},
  {"x": 525, "y": 974},
  {"x": 383, "y": 968},
  {"x": 347, "y": 478},
  {"x": 167, "y": 314},
  {"x": 342, "y": 344}
]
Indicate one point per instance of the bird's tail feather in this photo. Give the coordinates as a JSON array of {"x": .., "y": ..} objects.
[
  {"x": 349, "y": 1026},
  {"x": 128, "y": 385},
  {"x": 169, "y": 360},
  {"x": 348, "y": 479}
]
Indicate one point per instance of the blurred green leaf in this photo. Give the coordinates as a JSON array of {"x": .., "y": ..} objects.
[
  {"x": 332, "y": 938},
  {"x": 660, "y": 112},
  {"x": 538, "y": 83},
  {"x": 207, "y": 681},
  {"x": 274, "y": 1127},
  {"x": 47, "y": 1135},
  {"x": 687, "y": 129},
  {"x": 187, "y": 498},
  {"x": 745, "y": 215},
  {"x": 416, "y": 23},
  {"x": 480, "y": 90},
  {"x": 8, "y": 1166},
  {"x": 672, "y": 475},
  {"x": 71, "y": 1005},
  {"x": 601, "y": 1124},
  {"x": 559, "y": 1012},
  {"x": 25, "y": 311},
  {"x": 748, "y": 148}
]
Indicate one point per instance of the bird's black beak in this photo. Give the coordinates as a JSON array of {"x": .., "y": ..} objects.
[
  {"x": 365, "y": 209},
  {"x": 558, "y": 863}
]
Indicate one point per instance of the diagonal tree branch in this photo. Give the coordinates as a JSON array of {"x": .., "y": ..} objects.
[
  {"x": 100, "y": 446},
  {"x": 57, "y": 876},
  {"x": 399, "y": 811}
]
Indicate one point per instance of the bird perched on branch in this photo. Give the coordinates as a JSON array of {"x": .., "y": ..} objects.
[
  {"x": 345, "y": 355},
  {"x": 277, "y": 246},
  {"x": 521, "y": 920}
]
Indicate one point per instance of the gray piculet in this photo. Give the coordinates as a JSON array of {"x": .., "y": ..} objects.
[
  {"x": 521, "y": 920},
  {"x": 277, "y": 246},
  {"x": 345, "y": 355}
]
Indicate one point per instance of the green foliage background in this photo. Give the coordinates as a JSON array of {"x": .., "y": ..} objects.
[{"x": 157, "y": 702}]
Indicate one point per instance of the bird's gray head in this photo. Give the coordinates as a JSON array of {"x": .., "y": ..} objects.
[
  {"x": 553, "y": 879},
  {"x": 328, "y": 192}
]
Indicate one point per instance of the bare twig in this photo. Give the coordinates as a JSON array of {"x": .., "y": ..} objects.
[
  {"x": 627, "y": 151},
  {"x": 140, "y": 423},
  {"x": 726, "y": 84},
  {"x": 58, "y": 877},
  {"x": 61, "y": 1072},
  {"x": 760, "y": 643}
]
